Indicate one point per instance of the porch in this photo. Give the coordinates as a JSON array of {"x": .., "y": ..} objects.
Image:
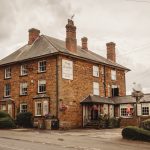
[{"x": 93, "y": 107}]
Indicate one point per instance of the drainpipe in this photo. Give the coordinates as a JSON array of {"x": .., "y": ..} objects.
[
  {"x": 57, "y": 86},
  {"x": 105, "y": 81}
]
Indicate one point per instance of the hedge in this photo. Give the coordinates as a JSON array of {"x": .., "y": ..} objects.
[
  {"x": 146, "y": 124},
  {"x": 135, "y": 133},
  {"x": 24, "y": 119},
  {"x": 6, "y": 121}
]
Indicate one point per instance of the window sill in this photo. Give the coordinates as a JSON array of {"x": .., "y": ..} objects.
[
  {"x": 23, "y": 95},
  {"x": 39, "y": 72},
  {"x": 23, "y": 75},
  {"x": 7, "y": 96},
  {"x": 126, "y": 117},
  {"x": 41, "y": 92},
  {"x": 7, "y": 78},
  {"x": 38, "y": 115}
]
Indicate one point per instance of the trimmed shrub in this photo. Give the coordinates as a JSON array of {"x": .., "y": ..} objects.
[
  {"x": 146, "y": 124},
  {"x": 25, "y": 120},
  {"x": 6, "y": 121},
  {"x": 135, "y": 133}
]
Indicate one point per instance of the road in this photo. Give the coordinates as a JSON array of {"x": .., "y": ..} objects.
[{"x": 68, "y": 140}]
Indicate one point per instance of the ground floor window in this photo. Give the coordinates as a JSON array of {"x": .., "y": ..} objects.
[
  {"x": 3, "y": 107},
  {"x": 23, "y": 107},
  {"x": 145, "y": 109},
  {"x": 41, "y": 108},
  {"x": 126, "y": 110}
]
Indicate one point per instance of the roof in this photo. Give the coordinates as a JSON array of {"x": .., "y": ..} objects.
[
  {"x": 45, "y": 45},
  {"x": 129, "y": 99},
  {"x": 96, "y": 99},
  {"x": 93, "y": 99}
]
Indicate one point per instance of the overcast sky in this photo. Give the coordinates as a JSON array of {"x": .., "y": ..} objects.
[{"x": 125, "y": 22}]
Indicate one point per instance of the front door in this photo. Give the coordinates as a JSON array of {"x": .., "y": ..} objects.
[{"x": 94, "y": 114}]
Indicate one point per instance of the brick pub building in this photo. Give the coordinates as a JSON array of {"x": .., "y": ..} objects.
[{"x": 60, "y": 78}]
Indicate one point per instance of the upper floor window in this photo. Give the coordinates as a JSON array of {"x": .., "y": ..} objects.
[
  {"x": 7, "y": 90},
  {"x": 95, "y": 71},
  {"x": 102, "y": 70},
  {"x": 41, "y": 86},
  {"x": 95, "y": 88},
  {"x": 23, "y": 88},
  {"x": 113, "y": 74},
  {"x": 24, "y": 70},
  {"x": 145, "y": 109},
  {"x": 7, "y": 73},
  {"x": 23, "y": 107},
  {"x": 42, "y": 66}
]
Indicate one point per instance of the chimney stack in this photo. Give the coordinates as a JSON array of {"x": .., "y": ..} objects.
[
  {"x": 111, "y": 54},
  {"x": 33, "y": 35},
  {"x": 71, "y": 42},
  {"x": 84, "y": 43}
]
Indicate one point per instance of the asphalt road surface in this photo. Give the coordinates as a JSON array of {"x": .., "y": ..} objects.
[{"x": 109, "y": 139}]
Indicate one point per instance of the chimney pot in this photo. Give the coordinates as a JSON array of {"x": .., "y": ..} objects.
[
  {"x": 111, "y": 54},
  {"x": 71, "y": 42},
  {"x": 33, "y": 35},
  {"x": 84, "y": 43}
]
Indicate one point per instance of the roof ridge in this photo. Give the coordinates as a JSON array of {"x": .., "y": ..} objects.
[{"x": 50, "y": 42}]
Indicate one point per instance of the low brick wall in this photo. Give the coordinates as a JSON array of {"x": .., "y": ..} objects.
[{"x": 135, "y": 121}]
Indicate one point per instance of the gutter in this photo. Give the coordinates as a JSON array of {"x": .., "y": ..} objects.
[
  {"x": 105, "y": 81},
  {"x": 57, "y": 86}
]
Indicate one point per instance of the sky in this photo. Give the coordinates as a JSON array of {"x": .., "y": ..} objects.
[{"x": 125, "y": 22}]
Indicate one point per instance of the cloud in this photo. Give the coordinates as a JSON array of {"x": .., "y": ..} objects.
[
  {"x": 124, "y": 22},
  {"x": 7, "y": 19}
]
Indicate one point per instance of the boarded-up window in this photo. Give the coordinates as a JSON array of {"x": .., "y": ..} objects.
[
  {"x": 113, "y": 74},
  {"x": 67, "y": 69},
  {"x": 95, "y": 88},
  {"x": 95, "y": 71}
]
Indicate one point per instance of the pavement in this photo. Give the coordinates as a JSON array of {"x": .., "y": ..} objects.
[{"x": 77, "y": 139}]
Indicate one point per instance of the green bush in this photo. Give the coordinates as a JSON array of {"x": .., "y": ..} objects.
[
  {"x": 146, "y": 124},
  {"x": 106, "y": 122},
  {"x": 25, "y": 120},
  {"x": 6, "y": 121},
  {"x": 4, "y": 114},
  {"x": 135, "y": 133}
]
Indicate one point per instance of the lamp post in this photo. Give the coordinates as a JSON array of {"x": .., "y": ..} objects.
[{"x": 137, "y": 94}]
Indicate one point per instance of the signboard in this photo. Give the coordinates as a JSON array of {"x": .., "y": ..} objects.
[{"x": 67, "y": 69}]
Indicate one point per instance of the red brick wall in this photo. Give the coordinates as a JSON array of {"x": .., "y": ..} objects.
[
  {"x": 16, "y": 79},
  {"x": 71, "y": 92}
]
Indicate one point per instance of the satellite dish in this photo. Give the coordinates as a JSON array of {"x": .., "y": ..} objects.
[{"x": 137, "y": 87}]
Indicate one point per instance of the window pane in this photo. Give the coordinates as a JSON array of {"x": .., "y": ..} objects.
[
  {"x": 8, "y": 72},
  {"x": 7, "y": 90},
  {"x": 23, "y": 88},
  {"x": 24, "y": 70},
  {"x": 41, "y": 86},
  {"x": 42, "y": 66},
  {"x": 23, "y": 107}
]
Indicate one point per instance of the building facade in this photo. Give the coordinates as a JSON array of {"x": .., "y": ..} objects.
[{"x": 51, "y": 76}]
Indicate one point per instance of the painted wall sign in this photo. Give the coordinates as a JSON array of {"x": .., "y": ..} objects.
[{"x": 67, "y": 69}]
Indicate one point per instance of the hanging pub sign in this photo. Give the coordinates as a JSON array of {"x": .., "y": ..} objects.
[{"x": 67, "y": 69}]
